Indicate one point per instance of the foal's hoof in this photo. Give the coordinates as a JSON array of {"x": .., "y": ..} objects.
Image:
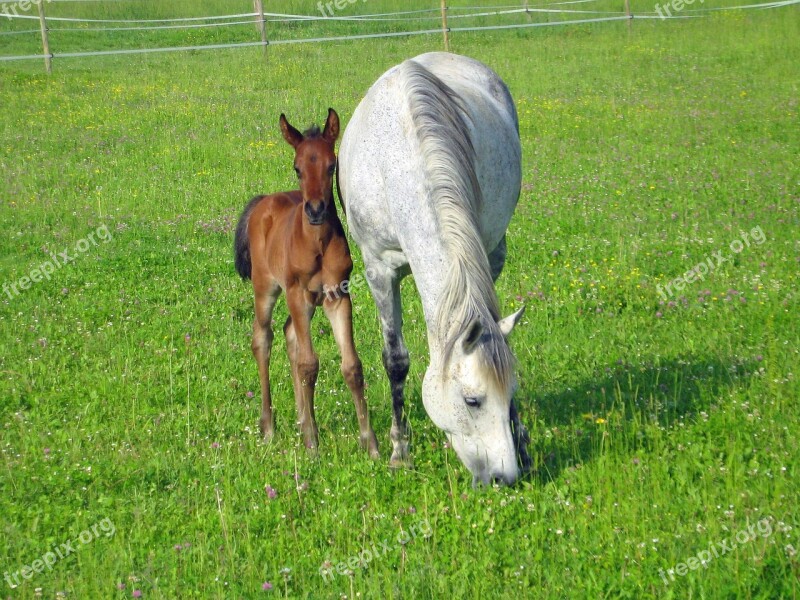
[
  {"x": 312, "y": 450},
  {"x": 267, "y": 427},
  {"x": 370, "y": 443},
  {"x": 267, "y": 435}
]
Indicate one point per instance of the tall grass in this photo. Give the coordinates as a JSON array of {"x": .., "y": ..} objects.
[{"x": 661, "y": 427}]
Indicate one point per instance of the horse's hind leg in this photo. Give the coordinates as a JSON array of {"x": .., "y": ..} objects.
[
  {"x": 266, "y": 295},
  {"x": 497, "y": 259},
  {"x": 340, "y": 313},
  {"x": 305, "y": 363},
  {"x": 385, "y": 286}
]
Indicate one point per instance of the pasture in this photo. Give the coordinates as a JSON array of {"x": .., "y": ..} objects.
[{"x": 662, "y": 407}]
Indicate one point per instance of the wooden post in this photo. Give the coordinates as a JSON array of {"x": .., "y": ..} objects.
[
  {"x": 445, "y": 28},
  {"x": 45, "y": 41},
  {"x": 628, "y": 14},
  {"x": 527, "y": 12},
  {"x": 261, "y": 23}
]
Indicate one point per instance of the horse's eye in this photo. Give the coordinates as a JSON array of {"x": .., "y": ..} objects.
[
  {"x": 296, "y": 170},
  {"x": 331, "y": 170},
  {"x": 473, "y": 401}
]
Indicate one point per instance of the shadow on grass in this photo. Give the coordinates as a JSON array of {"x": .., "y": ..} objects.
[{"x": 627, "y": 399}]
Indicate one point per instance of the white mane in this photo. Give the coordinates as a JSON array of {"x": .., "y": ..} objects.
[{"x": 453, "y": 188}]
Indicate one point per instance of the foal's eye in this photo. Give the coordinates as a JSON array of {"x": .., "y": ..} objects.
[
  {"x": 331, "y": 170},
  {"x": 473, "y": 401},
  {"x": 296, "y": 170}
]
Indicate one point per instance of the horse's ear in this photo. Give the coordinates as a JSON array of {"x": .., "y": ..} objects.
[
  {"x": 290, "y": 134},
  {"x": 331, "y": 127},
  {"x": 507, "y": 324},
  {"x": 474, "y": 333}
]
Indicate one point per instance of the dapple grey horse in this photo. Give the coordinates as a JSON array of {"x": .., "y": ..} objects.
[{"x": 429, "y": 176}]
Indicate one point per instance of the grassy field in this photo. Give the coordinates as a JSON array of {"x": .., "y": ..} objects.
[{"x": 662, "y": 409}]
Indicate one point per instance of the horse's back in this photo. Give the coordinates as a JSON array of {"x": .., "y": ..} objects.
[{"x": 382, "y": 168}]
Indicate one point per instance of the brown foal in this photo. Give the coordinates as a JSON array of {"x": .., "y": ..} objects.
[{"x": 294, "y": 241}]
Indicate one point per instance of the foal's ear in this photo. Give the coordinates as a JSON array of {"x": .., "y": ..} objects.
[
  {"x": 290, "y": 134},
  {"x": 331, "y": 127}
]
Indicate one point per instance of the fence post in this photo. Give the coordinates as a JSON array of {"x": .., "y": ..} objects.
[
  {"x": 261, "y": 23},
  {"x": 445, "y": 28},
  {"x": 45, "y": 41},
  {"x": 628, "y": 14}
]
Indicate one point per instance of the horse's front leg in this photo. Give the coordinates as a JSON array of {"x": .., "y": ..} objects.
[
  {"x": 521, "y": 439},
  {"x": 304, "y": 361},
  {"x": 339, "y": 311},
  {"x": 385, "y": 286}
]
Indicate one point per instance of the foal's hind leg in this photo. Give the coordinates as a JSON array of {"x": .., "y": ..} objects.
[
  {"x": 305, "y": 363},
  {"x": 340, "y": 313},
  {"x": 265, "y": 297},
  {"x": 385, "y": 286}
]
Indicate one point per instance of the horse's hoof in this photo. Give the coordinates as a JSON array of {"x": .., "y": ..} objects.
[{"x": 401, "y": 462}]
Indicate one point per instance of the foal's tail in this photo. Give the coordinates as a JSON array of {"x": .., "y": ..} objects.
[{"x": 241, "y": 241}]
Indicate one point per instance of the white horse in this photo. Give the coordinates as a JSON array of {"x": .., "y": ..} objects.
[{"x": 429, "y": 174}]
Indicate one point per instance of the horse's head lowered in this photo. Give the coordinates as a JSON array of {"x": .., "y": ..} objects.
[
  {"x": 468, "y": 394},
  {"x": 315, "y": 164}
]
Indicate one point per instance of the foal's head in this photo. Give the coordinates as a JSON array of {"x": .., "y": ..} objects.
[{"x": 315, "y": 164}]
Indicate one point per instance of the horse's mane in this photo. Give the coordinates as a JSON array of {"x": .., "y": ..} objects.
[
  {"x": 452, "y": 185},
  {"x": 312, "y": 133}
]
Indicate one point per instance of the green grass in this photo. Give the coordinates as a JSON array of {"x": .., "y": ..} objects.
[{"x": 659, "y": 428}]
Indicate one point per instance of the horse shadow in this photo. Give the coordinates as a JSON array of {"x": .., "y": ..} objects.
[{"x": 622, "y": 400}]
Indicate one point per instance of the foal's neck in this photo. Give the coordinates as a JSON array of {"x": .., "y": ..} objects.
[{"x": 318, "y": 236}]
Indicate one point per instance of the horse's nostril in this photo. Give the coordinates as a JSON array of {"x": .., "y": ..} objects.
[{"x": 503, "y": 479}]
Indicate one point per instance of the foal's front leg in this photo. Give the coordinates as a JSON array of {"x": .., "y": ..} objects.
[
  {"x": 340, "y": 313},
  {"x": 305, "y": 363},
  {"x": 266, "y": 294}
]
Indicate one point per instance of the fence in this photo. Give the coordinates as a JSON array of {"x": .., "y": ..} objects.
[{"x": 443, "y": 20}]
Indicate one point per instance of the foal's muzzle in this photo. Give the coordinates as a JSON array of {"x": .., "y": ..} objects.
[{"x": 316, "y": 212}]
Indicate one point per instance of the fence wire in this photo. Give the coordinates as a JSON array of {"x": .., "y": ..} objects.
[{"x": 401, "y": 16}]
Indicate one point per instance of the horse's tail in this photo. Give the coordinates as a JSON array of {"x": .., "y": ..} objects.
[
  {"x": 339, "y": 188},
  {"x": 241, "y": 241}
]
